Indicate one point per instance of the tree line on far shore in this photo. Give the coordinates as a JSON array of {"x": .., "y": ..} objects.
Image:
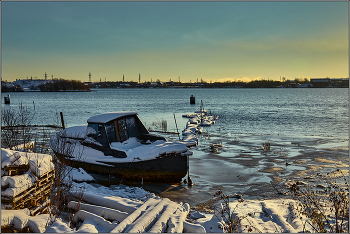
[
  {"x": 63, "y": 85},
  {"x": 54, "y": 85}
]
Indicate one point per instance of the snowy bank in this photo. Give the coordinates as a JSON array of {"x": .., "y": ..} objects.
[
  {"x": 20, "y": 219},
  {"x": 153, "y": 215},
  {"x": 122, "y": 208}
]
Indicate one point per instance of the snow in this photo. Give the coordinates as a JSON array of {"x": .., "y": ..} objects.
[
  {"x": 161, "y": 224},
  {"x": 17, "y": 181},
  {"x": 194, "y": 126},
  {"x": 114, "y": 190},
  {"x": 175, "y": 223},
  {"x": 154, "y": 215},
  {"x": 130, "y": 143},
  {"x": 58, "y": 227},
  {"x": 114, "y": 202},
  {"x": 267, "y": 216},
  {"x": 18, "y": 184},
  {"x": 193, "y": 228},
  {"x": 90, "y": 140},
  {"x": 38, "y": 163},
  {"x": 134, "y": 149},
  {"x": 81, "y": 175},
  {"x": 105, "y": 118},
  {"x": 105, "y": 212},
  {"x": 149, "y": 218},
  {"x": 208, "y": 120},
  {"x": 30, "y": 85},
  {"x": 93, "y": 222},
  {"x": 121, "y": 208},
  {"x": 20, "y": 219},
  {"x": 79, "y": 131}
]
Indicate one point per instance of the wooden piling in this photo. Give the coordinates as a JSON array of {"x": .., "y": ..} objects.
[
  {"x": 192, "y": 100},
  {"x": 7, "y": 99},
  {"x": 62, "y": 120}
]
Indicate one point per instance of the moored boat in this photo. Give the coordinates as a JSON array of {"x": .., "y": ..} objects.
[{"x": 118, "y": 144}]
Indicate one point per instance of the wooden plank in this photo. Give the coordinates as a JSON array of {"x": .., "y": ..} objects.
[
  {"x": 147, "y": 219},
  {"x": 31, "y": 190},
  {"x": 46, "y": 174},
  {"x": 149, "y": 204},
  {"x": 43, "y": 205},
  {"x": 24, "y": 194},
  {"x": 29, "y": 195},
  {"x": 161, "y": 223},
  {"x": 16, "y": 169},
  {"x": 36, "y": 196}
]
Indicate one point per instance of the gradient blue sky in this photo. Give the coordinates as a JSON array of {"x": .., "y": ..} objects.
[{"x": 215, "y": 41}]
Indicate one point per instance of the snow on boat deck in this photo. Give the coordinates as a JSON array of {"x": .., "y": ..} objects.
[
  {"x": 132, "y": 147},
  {"x": 105, "y": 118}
]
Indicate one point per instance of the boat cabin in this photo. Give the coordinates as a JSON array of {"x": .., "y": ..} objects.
[{"x": 118, "y": 127}]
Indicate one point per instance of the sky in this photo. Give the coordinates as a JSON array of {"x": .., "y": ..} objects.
[{"x": 213, "y": 41}]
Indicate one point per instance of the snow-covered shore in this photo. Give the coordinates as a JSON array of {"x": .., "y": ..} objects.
[
  {"x": 131, "y": 209},
  {"x": 153, "y": 214},
  {"x": 121, "y": 208}
]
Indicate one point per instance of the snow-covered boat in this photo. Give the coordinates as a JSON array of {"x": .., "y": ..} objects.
[{"x": 118, "y": 144}]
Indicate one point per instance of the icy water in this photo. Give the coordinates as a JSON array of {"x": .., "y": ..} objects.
[{"x": 305, "y": 127}]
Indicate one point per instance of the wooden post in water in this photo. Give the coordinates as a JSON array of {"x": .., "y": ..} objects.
[
  {"x": 202, "y": 108},
  {"x": 176, "y": 127},
  {"x": 192, "y": 100},
  {"x": 7, "y": 99},
  {"x": 62, "y": 120},
  {"x": 189, "y": 183}
]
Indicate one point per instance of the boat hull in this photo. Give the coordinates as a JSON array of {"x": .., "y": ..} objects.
[{"x": 169, "y": 168}]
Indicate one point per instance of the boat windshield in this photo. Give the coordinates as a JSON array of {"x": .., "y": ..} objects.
[
  {"x": 122, "y": 129},
  {"x": 133, "y": 127},
  {"x": 118, "y": 130}
]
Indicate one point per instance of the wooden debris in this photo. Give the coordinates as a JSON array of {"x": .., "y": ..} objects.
[{"x": 36, "y": 197}]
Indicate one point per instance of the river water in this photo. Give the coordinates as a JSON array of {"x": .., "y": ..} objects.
[{"x": 305, "y": 127}]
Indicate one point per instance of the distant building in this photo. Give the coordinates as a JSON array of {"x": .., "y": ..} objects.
[
  {"x": 328, "y": 82},
  {"x": 320, "y": 80}
]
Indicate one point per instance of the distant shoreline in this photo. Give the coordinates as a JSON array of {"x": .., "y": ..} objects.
[
  {"x": 61, "y": 85},
  {"x": 39, "y": 91},
  {"x": 171, "y": 87}
]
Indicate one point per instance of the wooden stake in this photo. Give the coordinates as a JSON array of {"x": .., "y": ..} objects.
[
  {"x": 176, "y": 127},
  {"x": 62, "y": 120}
]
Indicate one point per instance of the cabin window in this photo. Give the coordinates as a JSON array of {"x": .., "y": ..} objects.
[
  {"x": 110, "y": 131},
  {"x": 133, "y": 129},
  {"x": 92, "y": 129},
  {"x": 123, "y": 132},
  {"x": 122, "y": 129}
]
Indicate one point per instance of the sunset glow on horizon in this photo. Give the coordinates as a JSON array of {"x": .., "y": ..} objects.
[{"x": 213, "y": 41}]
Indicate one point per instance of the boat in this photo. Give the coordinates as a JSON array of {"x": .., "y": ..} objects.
[{"x": 118, "y": 144}]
